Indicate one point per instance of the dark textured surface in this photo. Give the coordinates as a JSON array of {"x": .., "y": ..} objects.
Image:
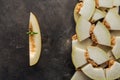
[{"x": 57, "y": 27}]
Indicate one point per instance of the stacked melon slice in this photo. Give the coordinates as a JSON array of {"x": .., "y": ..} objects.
[{"x": 96, "y": 44}]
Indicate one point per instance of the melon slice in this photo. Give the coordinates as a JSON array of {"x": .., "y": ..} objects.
[
  {"x": 94, "y": 73},
  {"x": 97, "y": 55},
  {"x": 102, "y": 34},
  {"x": 116, "y": 48},
  {"x": 88, "y": 9},
  {"x": 83, "y": 28},
  {"x": 116, "y": 2},
  {"x": 105, "y": 3},
  {"x": 78, "y": 57},
  {"x": 113, "y": 72},
  {"x": 76, "y": 12},
  {"x": 113, "y": 19},
  {"x": 83, "y": 44},
  {"x": 79, "y": 75},
  {"x": 98, "y": 15},
  {"x": 34, "y": 40}
]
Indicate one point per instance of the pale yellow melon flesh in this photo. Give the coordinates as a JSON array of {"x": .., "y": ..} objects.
[
  {"x": 98, "y": 14},
  {"x": 88, "y": 9},
  {"x": 83, "y": 44},
  {"x": 34, "y": 40},
  {"x": 102, "y": 34},
  {"x": 83, "y": 28},
  {"x": 105, "y": 3},
  {"x": 98, "y": 55},
  {"x": 96, "y": 46},
  {"x": 116, "y": 48},
  {"x": 116, "y": 2},
  {"x": 79, "y": 75},
  {"x": 113, "y": 19},
  {"x": 113, "y": 72},
  {"x": 94, "y": 73},
  {"x": 78, "y": 57}
]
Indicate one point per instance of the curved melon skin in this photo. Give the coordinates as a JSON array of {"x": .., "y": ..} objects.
[
  {"x": 76, "y": 15},
  {"x": 113, "y": 72},
  {"x": 79, "y": 75},
  {"x": 113, "y": 19},
  {"x": 88, "y": 9},
  {"x": 94, "y": 73},
  {"x": 78, "y": 57},
  {"x": 36, "y": 41},
  {"x": 116, "y": 48},
  {"x": 102, "y": 34},
  {"x": 83, "y": 29},
  {"x": 97, "y": 55}
]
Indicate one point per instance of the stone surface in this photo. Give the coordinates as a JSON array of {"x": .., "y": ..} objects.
[{"x": 57, "y": 26}]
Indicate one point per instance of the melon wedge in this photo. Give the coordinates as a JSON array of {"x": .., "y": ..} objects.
[
  {"x": 116, "y": 2},
  {"x": 79, "y": 75},
  {"x": 94, "y": 73},
  {"x": 102, "y": 34},
  {"x": 75, "y": 43},
  {"x": 83, "y": 28},
  {"x": 98, "y": 15},
  {"x": 97, "y": 55},
  {"x": 105, "y": 3},
  {"x": 113, "y": 19},
  {"x": 83, "y": 44},
  {"x": 76, "y": 14},
  {"x": 88, "y": 9},
  {"x": 116, "y": 48},
  {"x": 113, "y": 72},
  {"x": 34, "y": 40},
  {"x": 78, "y": 57}
]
